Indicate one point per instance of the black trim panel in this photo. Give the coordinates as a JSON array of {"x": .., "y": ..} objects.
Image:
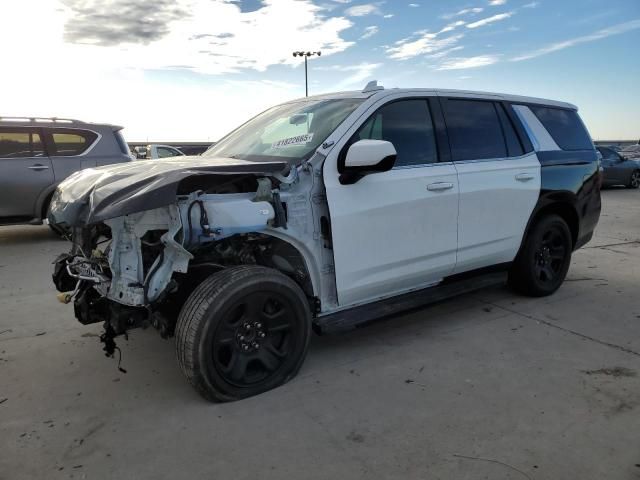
[
  {"x": 442, "y": 138},
  {"x": 517, "y": 124},
  {"x": 358, "y": 316}
]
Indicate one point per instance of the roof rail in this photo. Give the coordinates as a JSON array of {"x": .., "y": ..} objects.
[
  {"x": 372, "y": 86},
  {"x": 18, "y": 119}
]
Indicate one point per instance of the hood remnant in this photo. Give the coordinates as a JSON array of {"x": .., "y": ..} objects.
[{"x": 98, "y": 194}]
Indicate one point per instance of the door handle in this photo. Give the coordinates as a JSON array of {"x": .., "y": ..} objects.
[
  {"x": 439, "y": 186},
  {"x": 524, "y": 177},
  {"x": 38, "y": 167}
]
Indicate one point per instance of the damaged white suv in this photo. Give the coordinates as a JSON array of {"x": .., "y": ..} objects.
[{"x": 323, "y": 214}]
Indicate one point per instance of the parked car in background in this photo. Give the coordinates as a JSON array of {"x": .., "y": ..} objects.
[
  {"x": 155, "y": 150},
  {"x": 619, "y": 170},
  {"x": 36, "y": 154},
  {"x": 631, "y": 151},
  {"x": 325, "y": 213}
]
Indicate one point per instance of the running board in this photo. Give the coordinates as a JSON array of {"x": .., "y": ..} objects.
[{"x": 355, "y": 317}]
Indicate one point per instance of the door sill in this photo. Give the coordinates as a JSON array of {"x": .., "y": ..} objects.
[{"x": 356, "y": 317}]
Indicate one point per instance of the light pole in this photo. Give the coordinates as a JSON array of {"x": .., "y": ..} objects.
[{"x": 306, "y": 55}]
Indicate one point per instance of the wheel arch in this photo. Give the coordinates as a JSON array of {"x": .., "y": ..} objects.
[
  {"x": 289, "y": 257},
  {"x": 563, "y": 207},
  {"x": 304, "y": 258},
  {"x": 42, "y": 204}
]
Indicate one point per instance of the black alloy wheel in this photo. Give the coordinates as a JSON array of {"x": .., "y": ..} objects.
[
  {"x": 634, "y": 180},
  {"x": 543, "y": 261},
  {"x": 254, "y": 338},
  {"x": 244, "y": 330},
  {"x": 550, "y": 256}
]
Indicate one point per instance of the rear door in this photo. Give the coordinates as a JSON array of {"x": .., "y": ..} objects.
[
  {"x": 394, "y": 231},
  {"x": 25, "y": 171},
  {"x": 68, "y": 148},
  {"x": 499, "y": 181}
]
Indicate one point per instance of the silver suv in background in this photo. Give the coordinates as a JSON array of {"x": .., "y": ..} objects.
[{"x": 36, "y": 154}]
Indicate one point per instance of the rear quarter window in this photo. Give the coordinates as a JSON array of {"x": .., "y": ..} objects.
[
  {"x": 68, "y": 142},
  {"x": 565, "y": 127}
]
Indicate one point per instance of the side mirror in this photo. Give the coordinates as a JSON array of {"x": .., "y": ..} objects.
[{"x": 365, "y": 157}]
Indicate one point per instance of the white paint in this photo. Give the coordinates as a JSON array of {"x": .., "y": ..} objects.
[
  {"x": 497, "y": 198},
  {"x": 540, "y": 137},
  {"x": 368, "y": 152},
  {"x": 390, "y": 233}
]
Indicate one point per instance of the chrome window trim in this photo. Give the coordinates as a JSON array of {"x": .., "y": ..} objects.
[
  {"x": 421, "y": 165},
  {"x": 497, "y": 159}
]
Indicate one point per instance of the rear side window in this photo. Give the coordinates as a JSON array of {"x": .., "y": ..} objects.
[
  {"x": 564, "y": 126},
  {"x": 474, "y": 130},
  {"x": 67, "y": 142},
  {"x": 407, "y": 124},
  {"x": 20, "y": 144}
]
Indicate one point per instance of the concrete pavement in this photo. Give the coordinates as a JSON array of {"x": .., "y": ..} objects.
[{"x": 489, "y": 385}]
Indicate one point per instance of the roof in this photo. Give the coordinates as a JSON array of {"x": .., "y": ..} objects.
[
  {"x": 50, "y": 121},
  {"x": 441, "y": 92}
]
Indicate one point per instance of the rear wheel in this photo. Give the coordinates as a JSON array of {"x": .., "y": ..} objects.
[
  {"x": 543, "y": 262},
  {"x": 634, "y": 180},
  {"x": 243, "y": 331}
]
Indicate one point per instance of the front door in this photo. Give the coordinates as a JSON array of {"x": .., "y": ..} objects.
[
  {"x": 25, "y": 172},
  {"x": 394, "y": 231}
]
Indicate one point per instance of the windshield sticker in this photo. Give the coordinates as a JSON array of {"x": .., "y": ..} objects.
[{"x": 291, "y": 141}]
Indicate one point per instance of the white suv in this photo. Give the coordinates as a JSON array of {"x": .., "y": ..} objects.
[{"x": 323, "y": 214}]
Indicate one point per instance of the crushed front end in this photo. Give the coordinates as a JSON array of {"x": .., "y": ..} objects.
[{"x": 131, "y": 266}]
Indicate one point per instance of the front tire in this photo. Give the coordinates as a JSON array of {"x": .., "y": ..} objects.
[
  {"x": 634, "y": 180},
  {"x": 543, "y": 263},
  {"x": 243, "y": 331}
]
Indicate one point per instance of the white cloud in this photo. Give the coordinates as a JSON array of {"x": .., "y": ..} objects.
[
  {"x": 369, "y": 32},
  {"x": 452, "y": 26},
  {"x": 362, "y": 10},
  {"x": 495, "y": 3},
  {"x": 388, "y": 15},
  {"x": 414, "y": 5},
  {"x": 206, "y": 36},
  {"x": 469, "y": 62},
  {"x": 464, "y": 11},
  {"x": 531, "y": 5},
  {"x": 216, "y": 37},
  {"x": 426, "y": 43},
  {"x": 444, "y": 53},
  {"x": 488, "y": 20},
  {"x": 600, "y": 34}
]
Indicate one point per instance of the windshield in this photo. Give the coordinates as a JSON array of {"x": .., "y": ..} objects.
[{"x": 290, "y": 132}]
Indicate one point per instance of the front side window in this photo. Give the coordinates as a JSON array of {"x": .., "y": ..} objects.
[
  {"x": 565, "y": 127},
  {"x": 20, "y": 144},
  {"x": 407, "y": 124},
  {"x": 289, "y": 132},
  {"x": 474, "y": 130},
  {"x": 67, "y": 143}
]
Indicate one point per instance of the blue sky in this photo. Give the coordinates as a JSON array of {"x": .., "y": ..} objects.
[{"x": 193, "y": 69}]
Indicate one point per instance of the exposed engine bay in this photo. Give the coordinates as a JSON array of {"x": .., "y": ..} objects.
[{"x": 138, "y": 269}]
